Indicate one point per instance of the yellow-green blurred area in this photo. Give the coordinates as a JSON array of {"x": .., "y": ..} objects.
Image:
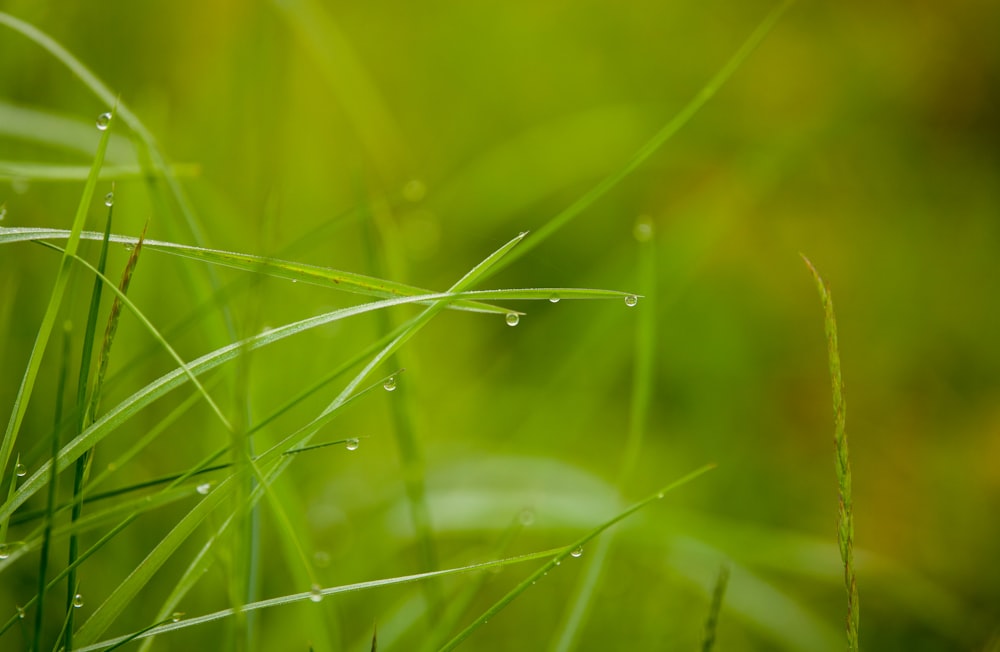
[{"x": 410, "y": 140}]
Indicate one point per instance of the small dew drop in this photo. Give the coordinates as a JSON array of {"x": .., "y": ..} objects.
[
  {"x": 77, "y": 601},
  {"x": 204, "y": 488},
  {"x": 659, "y": 495},
  {"x": 3, "y": 211},
  {"x": 512, "y": 318},
  {"x": 103, "y": 121},
  {"x": 20, "y": 612},
  {"x": 176, "y": 617},
  {"x": 390, "y": 384},
  {"x": 558, "y": 562},
  {"x": 631, "y": 300},
  {"x": 352, "y": 444},
  {"x": 4, "y": 550},
  {"x": 20, "y": 470},
  {"x": 577, "y": 552},
  {"x": 109, "y": 199},
  {"x": 526, "y": 517},
  {"x": 315, "y": 593},
  {"x": 553, "y": 299},
  {"x": 295, "y": 280}
]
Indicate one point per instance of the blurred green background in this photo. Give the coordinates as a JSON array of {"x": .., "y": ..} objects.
[{"x": 409, "y": 140}]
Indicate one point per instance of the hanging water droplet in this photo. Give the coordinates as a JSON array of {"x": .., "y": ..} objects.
[
  {"x": 553, "y": 299},
  {"x": 512, "y": 318},
  {"x": 103, "y": 121},
  {"x": 20, "y": 612},
  {"x": 526, "y": 517},
  {"x": 77, "y": 601},
  {"x": 577, "y": 552},
  {"x": 295, "y": 280},
  {"x": 3, "y": 211},
  {"x": 390, "y": 384},
  {"x": 20, "y": 470},
  {"x": 631, "y": 300},
  {"x": 352, "y": 444},
  {"x": 5, "y": 550},
  {"x": 316, "y": 593},
  {"x": 558, "y": 562},
  {"x": 109, "y": 199},
  {"x": 204, "y": 488},
  {"x": 176, "y": 617}
]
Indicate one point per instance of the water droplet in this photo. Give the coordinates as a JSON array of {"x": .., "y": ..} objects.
[
  {"x": 554, "y": 300},
  {"x": 316, "y": 593},
  {"x": 20, "y": 470},
  {"x": 414, "y": 190},
  {"x": 109, "y": 199},
  {"x": 77, "y": 601},
  {"x": 204, "y": 488},
  {"x": 558, "y": 562},
  {"x": 577, "y": 552},
  {"x": 5, "y": 550},
  {"x": 390, "y": 384},
  {"x": 3, "y": 211},
  {"x": 176, "y": 617},
  {"x": 526, "y": 517},
  {"x": 20, "y": 612},
  {"x": 103, "y": 121},
  {"x": 352, "y": 444},
  {"x": 643, "y": 230},
  {"x": 659, "y": 495},
  {"x": 512, "y": 318},
  {"x": 631, "y": 300},
  {"x": 295, "y": 280}
]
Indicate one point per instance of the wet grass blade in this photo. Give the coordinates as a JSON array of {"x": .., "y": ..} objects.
[
  {"x": 845, "y": 515},
  {"x": 575, "y": 549},
  {"x": 49, "y": 172},
  {"x": 27, "y": 386}
]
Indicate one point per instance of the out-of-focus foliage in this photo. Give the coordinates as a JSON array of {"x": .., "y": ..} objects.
[{"x": 409, "y": 140}]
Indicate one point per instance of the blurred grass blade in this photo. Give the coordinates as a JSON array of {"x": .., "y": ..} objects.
[
  {"x": 51, "y": 311},
  {"x": 845, "y": 516},
  {"x": 571, "y": 550},
  {"x": 712, "y": 621},
  {"x": 656, "y": 142},
  {"x": 643, "y": 361}
]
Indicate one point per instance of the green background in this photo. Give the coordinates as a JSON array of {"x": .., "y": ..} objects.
[{"x": 408, "y": 141}]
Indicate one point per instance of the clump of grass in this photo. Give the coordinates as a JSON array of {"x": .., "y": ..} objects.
[{"x": 845, "y": 520}]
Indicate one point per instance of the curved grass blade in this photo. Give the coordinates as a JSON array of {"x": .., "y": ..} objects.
[
  {"x": 52, "y": 310},
  {"x": 845, "y": 520},
  {"x": 335, "y": 590},
  {"x": 312, "y": 274},
  {"x": 564, "y": 554},
  {"x": 656, "y": 142}
]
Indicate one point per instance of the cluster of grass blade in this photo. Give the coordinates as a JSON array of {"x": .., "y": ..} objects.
[{"x": 269, "y": 465}]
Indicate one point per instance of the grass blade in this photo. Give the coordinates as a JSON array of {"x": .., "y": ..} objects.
[
  {"x": 52, "y": 310},
  {"x": 845, "y": 516},
  {"x": 712, "y": 622},
  {"x": 564, "y": 554}
]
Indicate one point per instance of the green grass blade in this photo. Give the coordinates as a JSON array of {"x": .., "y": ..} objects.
[
  {"x": 52, "y": 310},
  {"x": 335, "y": 590},
  {"x": 43, "y": 562},
  {"x": 657, "y": 141},
  {"x": 845, "y": 516},
  {"x": 712, "y": 621},
  {"x": 312, "y": 274},
  {"x": 571, "y": 550}
]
